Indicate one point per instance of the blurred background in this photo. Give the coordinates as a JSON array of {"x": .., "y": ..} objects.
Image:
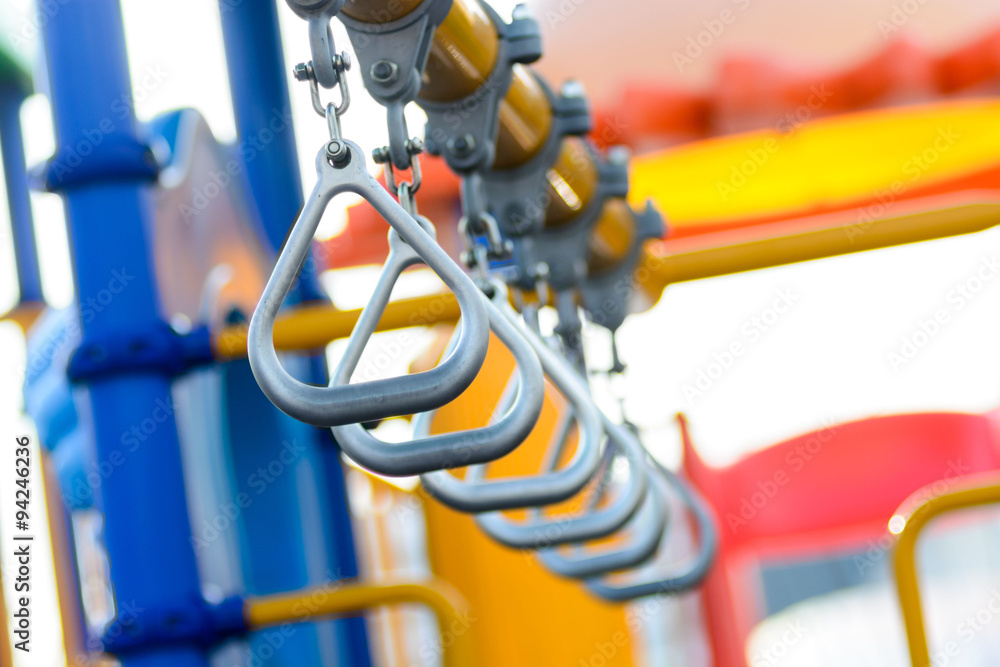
[{"x": 831, "y": 356}]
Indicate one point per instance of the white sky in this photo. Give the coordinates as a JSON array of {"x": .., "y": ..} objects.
[{"x": 825, "y": 359}]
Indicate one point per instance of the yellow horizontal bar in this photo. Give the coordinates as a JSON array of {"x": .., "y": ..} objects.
[
  {"x": 791, "y": 169},
  {"x": 348, "y": 599},
  {"x": 312, "y": 326},
  {"x": 24, "y": 314},
  {"x": 710, "y": 255},
  {"x": 908, "y": 524}
]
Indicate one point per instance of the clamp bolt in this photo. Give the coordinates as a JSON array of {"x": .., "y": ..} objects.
[
  {"x": 303, "y": 71},
  {"x": 384, "y": 71},
  {"x": 462, "y": 146}
]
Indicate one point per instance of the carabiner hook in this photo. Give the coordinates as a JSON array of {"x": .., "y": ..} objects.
[
  {"x": 540, "y": 532},
  {"x": 377, "y": 399},
  {"x": 546, "y": 489},
  {"x": 452, "y": 450}
]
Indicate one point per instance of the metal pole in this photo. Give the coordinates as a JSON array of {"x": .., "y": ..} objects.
[{"x": 102, "y": 170}]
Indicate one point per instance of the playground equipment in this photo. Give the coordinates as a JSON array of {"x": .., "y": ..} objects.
[{"x": 548, "y": 220}]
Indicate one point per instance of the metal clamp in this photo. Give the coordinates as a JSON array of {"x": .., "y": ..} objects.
[
  {"x": 452, "y": 450},
  {"x": 693, "y": 575},
  {"x": 517, "y": 196},
  {"x": 563, "y": 251},
  {"x": 392, "y": 54},
  {"x": 341, "y": 169},
  {"x": 545, "y": 489},
  {"x": 616, "y": 284},
  {"x": 464, "y": 131},
  {"x": 538, "y": 532}
]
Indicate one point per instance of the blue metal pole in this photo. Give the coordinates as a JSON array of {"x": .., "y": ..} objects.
[
  {"x": 18, "y": 202},
  {"x": 103, "y": 170},
  {"x": 261, "y": 105}
]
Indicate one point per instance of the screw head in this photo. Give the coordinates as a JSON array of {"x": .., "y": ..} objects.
[
  {"x": 384, "y": 71},
  {"x": 462, "y": 146}
]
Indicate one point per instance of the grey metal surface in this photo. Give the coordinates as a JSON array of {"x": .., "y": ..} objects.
[
  {"x": 377, "y": 399},
  {"x": 539, "y": 532},
  {"x": 646, "y": 530},
  {"x": 460, "y": 448},
  {"x": 544, "y": 489},
  {"x": 692, "y": 575}
]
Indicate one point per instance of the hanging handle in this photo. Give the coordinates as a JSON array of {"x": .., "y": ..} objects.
[
  {"x": 340, "y": 168},
  {"x": 545, "y": 489},
  {"x": 452, "y": 450},
  {"x": 688, "y": 578},
  {"x": 647, "y": 529},
  {"x": 539, "y": 532}
]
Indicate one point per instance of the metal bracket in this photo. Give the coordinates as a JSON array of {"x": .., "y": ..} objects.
[
  {"x": 159, "y": 348},
  {"x": 197, "y": 622}
]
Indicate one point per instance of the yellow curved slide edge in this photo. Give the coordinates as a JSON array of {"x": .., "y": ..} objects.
[
  {"x": 795, "y": 170},
  {"x": 351, "y": 599},
  {"x": 908, "y": 523}
]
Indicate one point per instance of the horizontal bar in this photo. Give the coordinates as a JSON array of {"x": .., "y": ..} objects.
[
  {"x": 310, "y": 327},
  {"x": 348, "y": 599}
]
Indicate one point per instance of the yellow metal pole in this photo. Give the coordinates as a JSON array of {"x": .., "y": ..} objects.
[
  {"x": 711, "y": 255},
  {"x": 312, "y": 326},
  {"x": 447, "y": 604},
  {"x": 908, "y": 523}
]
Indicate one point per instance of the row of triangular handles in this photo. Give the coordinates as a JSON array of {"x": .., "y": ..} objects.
[
  {"x": 617, "y": 544},
  {"x": 639, "y": 510}
]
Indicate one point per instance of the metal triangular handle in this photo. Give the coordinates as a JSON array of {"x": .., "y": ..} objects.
[
  {"x": 377, "y": 399},
  {"x": 530, "y": 491},
  {"x": 539, "y": 531},
  {"x": 692, "y": 575},
  {"x": 648, "y": 527},
  {"x": 460, "y": 448}
]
